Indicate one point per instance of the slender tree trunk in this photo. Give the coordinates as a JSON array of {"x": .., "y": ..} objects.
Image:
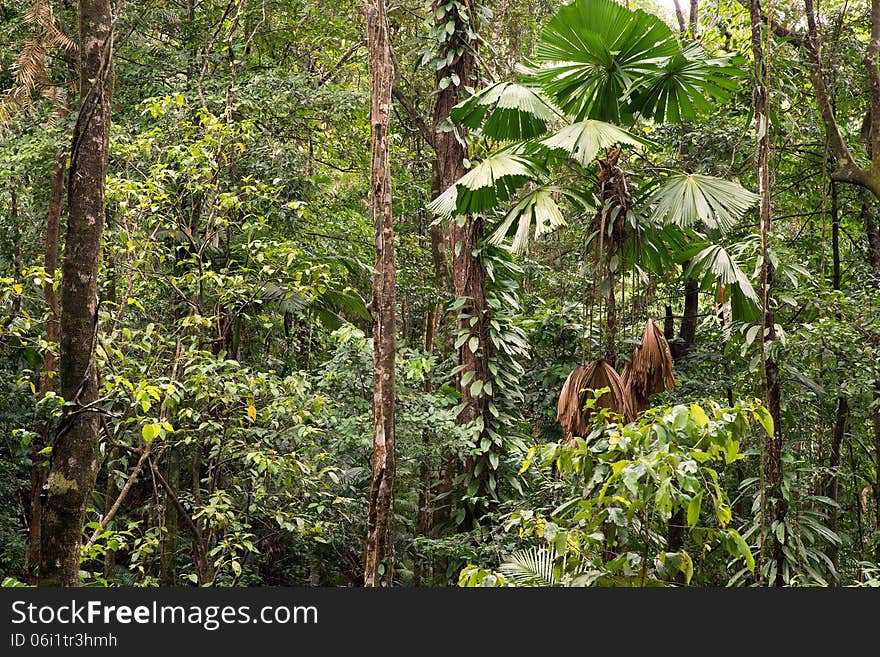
[
  {"x": 204, "y": 573},
  {"x": 695, "y": 17},
  {"x": 688, "y": 329},
  {"x": 111, "y": 493},
  {"x": 876, "y": 421},
  {"x": 873, "y": 236},
  {"x": 380, "y": 512},
  {"x": 75, "y": 451},
  {"x": 679, "y": 16},
  {"x": 168, "y": 555},
  {"x": 668, "y": 323},
  {"x": 841, "y": 413},
  {"x": 50, "y": 366},
  {"x": 874, "y": 256},
  {"x": 778, "y": 505},
  {"x": 611, "y": 324}
]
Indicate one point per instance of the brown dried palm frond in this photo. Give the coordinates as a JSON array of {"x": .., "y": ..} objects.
[
  {"x": 608, "y": 224},
  {"x": 579, "y": 387},
  {"x": 638, "y": 404},
  {"x": 568, "y": 408},
  {"x": 31, "y": 68},
  {"x": 41, "y": 16},
  {"x": 651, "y": 366}
]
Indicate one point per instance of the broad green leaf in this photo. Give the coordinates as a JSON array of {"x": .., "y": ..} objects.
[
  {"x": 151, "y": 431},
  {"x": 699, "y": 415},
  {"x": 743, "y": 549},
  {"x": 763, "y": 416},
  {"x": 693, "y": 510}
]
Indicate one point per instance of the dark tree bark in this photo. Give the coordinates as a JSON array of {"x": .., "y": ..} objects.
[
  {"x": 168, "y": 555},
  {"x": 668, "y": 323},
  {"x": 611, "y": 324},
  {"x": 778, "y": 505},
  {"x": 75, "y": 451},
  {"x": 873, "y": 236},
  {"x": 876, "y": 421},
  {"x": 695, "y": 17},
  {"x": 841, "y": 412},
  {"x": 50, "y": 365},
  {"x": 380, "y": 513},
  {"x": 468, "y": 271},
  {"x": 688, "y": 331}
]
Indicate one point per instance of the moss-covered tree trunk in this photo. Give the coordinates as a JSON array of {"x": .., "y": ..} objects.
[{"x": 74, "y": 465}]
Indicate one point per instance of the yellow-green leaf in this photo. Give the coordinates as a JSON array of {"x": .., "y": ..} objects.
[
  {"x": 693, "y": 512},
  {"x": 763, "y": 416},
  {"x": 150, "y": 432},
  {"x": 699, "y": 415}
]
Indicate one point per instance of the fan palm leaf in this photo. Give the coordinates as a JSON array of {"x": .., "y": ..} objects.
[
  {"x": 492, "y": 181},
  {"x": 684, "y": 85},
  {"x": 510, "y": 111},
  {"x": 593, "y": 51},
  {"x": 583, "y": 140},
  {"x": 686, "y": 199}
]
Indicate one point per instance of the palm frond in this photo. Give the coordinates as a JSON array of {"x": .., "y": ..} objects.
[
  {"x": 593, "y": 51},
  {"x": 583, "y": 140},
  {"x": 682, "y": 87},
  {"x": 714, "y": 265},
  {"x": 539, "y": 208},
  {"x": 686, "y": 199},
  {"x": 492, "y": 181},
  {"x": 514, "y": 112},
  {"x": 533, "y": 567}
]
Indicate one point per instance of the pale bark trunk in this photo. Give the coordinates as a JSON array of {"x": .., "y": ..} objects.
[{"x": 380, "y": 513}]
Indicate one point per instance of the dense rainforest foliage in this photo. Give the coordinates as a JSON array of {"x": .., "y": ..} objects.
[{"x": 445, "y": 293}]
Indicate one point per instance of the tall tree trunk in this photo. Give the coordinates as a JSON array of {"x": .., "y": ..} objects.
[
  {"x": 468, "y": 271},
  {"x": 380, "y": 513},
  {"x": 168, "y": 555},
  {"x": 841, "y": 412},
  {"x": 687, "y": 332},
  {"x": 873, "y": 236},
  {"x": 75, "y": 451},
  {"x": 611, "y": 324},
  {"x": 778, "y": 506},
  {"x": 50, "y": 366},
  {"x": 874, "y": 257},
  {"x": 695, "y": 17},
  {"x": 876, "y": 421}
]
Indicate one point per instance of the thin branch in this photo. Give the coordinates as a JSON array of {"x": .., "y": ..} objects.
[
  {"x": 342, "y": 62},
  {"x": 424, "y": 130}
]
